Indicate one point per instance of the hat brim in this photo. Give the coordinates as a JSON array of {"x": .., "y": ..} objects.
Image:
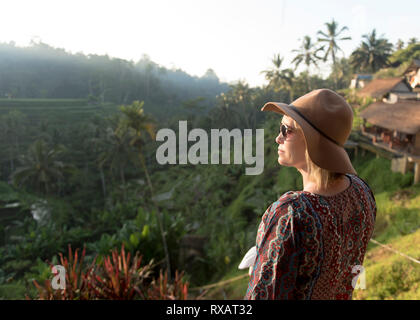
[{"x": 323, "y": 152}]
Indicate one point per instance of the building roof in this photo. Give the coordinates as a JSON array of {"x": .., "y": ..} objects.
[
  {"x": 403, "y": 116},
  {"x": 379, "y": 87},
  {"x": 363, "y": 76}
]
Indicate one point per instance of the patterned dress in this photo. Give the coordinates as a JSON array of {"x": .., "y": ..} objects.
[{"x": 309, "y": 246}]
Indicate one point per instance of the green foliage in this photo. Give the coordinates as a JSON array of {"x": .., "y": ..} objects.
[
  {"x": 371, "y": 169},
  {"x": 142, "y": 234},
  {"x": 95, "y": 80},
  {"x": 358, "y": 104},
  {"x": 388, "y": 280},
  {"x": 39, "y": 271},
  {"x": 40, "y": 168},
  {"x": 7, "y": 193},
  {"x": 306, "y": 82},
  {"x": 390, "y": 276},
  {"x": 372, "y": 54},
  {"x": 106, "y": 203},
  {"x": 407, "y": 54},
  {"x": 342, "y": 73},
  {"x": 280, "y": 78},
  {"x": 42, "y": 243},
  {"x": 331, "y": 37},
  {"x": 13, "y": 291},
  {"x": 31, "y": 103},
  {"x": 288, "y": 179},
  {"x": 391, "y": 72},
  {"x": 307, "y": 53}
]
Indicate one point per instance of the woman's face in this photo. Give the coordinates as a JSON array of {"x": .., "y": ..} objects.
[{"x": 291, "y": 151}]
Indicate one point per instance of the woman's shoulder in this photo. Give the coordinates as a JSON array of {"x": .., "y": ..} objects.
[
  {"x": 288, "y": 211},
  {"x": 290, "y": 202},
  {"x": 290, "y": 197},
  {"x": 286, "y": 199}
]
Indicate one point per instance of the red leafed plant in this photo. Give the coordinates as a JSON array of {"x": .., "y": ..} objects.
[
  {"x": 121, "y": 280},
  {"x": 118, "y": 277},
  {"x": 76, "y": 280},
  {"x": 161, "y": 290}
]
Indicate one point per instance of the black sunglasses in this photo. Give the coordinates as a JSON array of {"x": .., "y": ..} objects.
[{"x": 284, "y": 129}]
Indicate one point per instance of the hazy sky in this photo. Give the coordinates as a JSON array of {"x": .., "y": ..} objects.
[{"x": 236, "y": 38}]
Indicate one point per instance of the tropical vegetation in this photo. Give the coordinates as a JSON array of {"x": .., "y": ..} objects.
[{"x": 79, "y": 173}]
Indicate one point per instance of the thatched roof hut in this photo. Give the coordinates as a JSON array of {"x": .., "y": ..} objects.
[
  {"x": 403, "y": 116},
  {"x": 380, "y": 87}
]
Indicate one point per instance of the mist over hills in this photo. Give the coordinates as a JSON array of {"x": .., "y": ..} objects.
[{"x": 42, "y": 71}]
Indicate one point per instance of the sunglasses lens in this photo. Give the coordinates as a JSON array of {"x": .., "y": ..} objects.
[{"x": 283, "y": 131}]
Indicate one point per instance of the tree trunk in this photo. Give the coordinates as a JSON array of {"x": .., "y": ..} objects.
[
  {"x": 12, "y": 165},
  {"x": 334, "y": 71},
  {"x": 308, "y": 80},
  {"x": 103, "y": 181},
  {"x": 291, "y": 95},
  {"x": 47, "y": 191},
  {"x": 159, "y": 218},
  {"x": 123, "y": 182},
  {"x": 122, "y": 175}
]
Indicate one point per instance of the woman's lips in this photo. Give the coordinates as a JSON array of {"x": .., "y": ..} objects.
[{"x": 279, "y": 151}]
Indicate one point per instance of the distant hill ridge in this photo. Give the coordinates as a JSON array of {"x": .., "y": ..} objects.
[{"x": 41, "y": 71}]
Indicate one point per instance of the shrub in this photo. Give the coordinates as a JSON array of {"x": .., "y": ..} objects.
[
  {"x": 117, "y": 277},
  {"x": 161, "y": 289},
  {"x": 76, "y": 284}
]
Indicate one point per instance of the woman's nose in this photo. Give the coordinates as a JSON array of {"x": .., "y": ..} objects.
[{"x": 279, "y": 138}]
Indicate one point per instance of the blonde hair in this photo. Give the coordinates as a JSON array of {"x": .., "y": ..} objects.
[{"x": 322, "y": 178}]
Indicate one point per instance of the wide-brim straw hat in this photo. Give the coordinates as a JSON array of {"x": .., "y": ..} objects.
[{"x": 326, "y": 120}]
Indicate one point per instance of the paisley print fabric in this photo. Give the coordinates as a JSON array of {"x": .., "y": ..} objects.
[{"x": 308, "y": 245}]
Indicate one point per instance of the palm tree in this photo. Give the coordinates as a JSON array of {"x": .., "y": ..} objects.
[
  {"x": 280, "y": 78},
  {"x": 193, "y": 109},
  {"x": 307, "y": 53},
  {"x": 140, "y": 124},
  {"x": 412, "y": 41},
  {"x": 97, "y": 144},
  {"x": 12, "y": 126},
  {"x": 224, "y": 115},
  {"x": 287, "y": 81},
  {"x": 342, "y": 72},
  {"x": 118, "y": 152},
  {"x": 331, "y": 37},
  {"x": 372, "y": 54},
  {"x": 136, "y": 120},
  {"x": 40, "y": 168},
  {"x": 242, "y": 98},
  {"x": 400, "y": 44},
  {"x": 235, "y": 108},
  {"x": 273, "y": 75}
]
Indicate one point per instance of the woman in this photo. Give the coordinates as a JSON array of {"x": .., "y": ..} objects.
[{"x": 311, "y": 243}]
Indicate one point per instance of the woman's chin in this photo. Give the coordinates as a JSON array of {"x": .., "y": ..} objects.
[{"x": 280, "y": 161}]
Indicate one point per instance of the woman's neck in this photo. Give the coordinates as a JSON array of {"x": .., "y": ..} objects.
[{"x": 337, "y": 186}]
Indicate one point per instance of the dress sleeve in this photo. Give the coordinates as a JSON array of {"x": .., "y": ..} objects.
[{"x": 278, "y": 248}]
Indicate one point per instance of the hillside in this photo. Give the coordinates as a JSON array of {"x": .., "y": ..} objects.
[
  {"x": 41, "y": 71},
  {"x": 218, "y": 204}
]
